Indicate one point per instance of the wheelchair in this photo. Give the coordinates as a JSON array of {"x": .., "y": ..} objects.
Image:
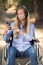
[{"x": 21, "y": 60}]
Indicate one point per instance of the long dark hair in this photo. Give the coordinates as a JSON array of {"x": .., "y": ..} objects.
[{"x": 26, "y": 18}]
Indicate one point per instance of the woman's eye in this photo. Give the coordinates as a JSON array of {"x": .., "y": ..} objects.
[{"x": 21, "y": 14}]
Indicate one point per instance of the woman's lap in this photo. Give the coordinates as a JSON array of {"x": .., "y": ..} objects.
[{"x": 27, "y": 52}]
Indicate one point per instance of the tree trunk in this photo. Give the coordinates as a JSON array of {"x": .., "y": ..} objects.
[{"x": 38, "y": 7}]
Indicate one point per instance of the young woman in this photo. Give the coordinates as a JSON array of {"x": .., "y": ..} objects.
[{"x": 23, "y": 32}]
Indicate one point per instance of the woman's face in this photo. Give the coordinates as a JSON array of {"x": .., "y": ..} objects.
[{"x": 21, "y": 14}]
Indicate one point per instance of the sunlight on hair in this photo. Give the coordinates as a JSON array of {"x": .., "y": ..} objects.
[{"x": 28, "y": 23}]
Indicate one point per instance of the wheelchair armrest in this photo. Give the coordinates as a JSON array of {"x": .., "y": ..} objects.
[{"x": 36, "y": 40}]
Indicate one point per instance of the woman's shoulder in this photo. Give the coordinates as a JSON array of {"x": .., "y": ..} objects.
[{"x": 32, "y": 25}]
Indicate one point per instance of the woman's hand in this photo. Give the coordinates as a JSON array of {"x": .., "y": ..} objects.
[
  {"x": 16, "y": 29},
  {"x": 22, "y": 32},
  {"x": 6, "y": 30}
]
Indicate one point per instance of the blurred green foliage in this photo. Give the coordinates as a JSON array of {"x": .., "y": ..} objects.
[{"x": 28, "y": 3}]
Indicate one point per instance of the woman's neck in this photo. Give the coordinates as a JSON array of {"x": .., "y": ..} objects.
[{"x": 23, "y": 22}]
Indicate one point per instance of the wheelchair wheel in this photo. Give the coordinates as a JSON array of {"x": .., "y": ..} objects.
[{"x": 4, "y": 58}]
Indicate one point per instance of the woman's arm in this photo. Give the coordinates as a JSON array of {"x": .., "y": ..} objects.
[
  {"x": 7, "y": 37},
  {"x": 29, "y": 36}
]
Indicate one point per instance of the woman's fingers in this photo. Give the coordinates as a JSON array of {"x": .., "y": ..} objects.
[
  {"x": 15, "y": 27},
  {"x": 16, "y": 30},
  {"x": 7, "y": 28}
]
